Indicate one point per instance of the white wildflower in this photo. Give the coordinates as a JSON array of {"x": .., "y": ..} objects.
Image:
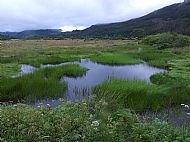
[
  {"x": 95, "y": 123},
  {"x": 48, "y": 105},
  {"x": 188, "y": 113},
  {"x": 91, "y": 116},
  {"x": 182, "y": 104},
  {"x": 186, "y": 106},
  {"x": 61, "y": 99},
  {"x": 83, "y": 137},
  {"x": 15, "y": 105}
]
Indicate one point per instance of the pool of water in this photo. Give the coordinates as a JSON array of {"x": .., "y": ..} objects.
[{"x": 80, "y": 88}]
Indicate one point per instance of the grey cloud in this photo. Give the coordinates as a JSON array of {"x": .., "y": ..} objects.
[{"x": 17, "y": 15}]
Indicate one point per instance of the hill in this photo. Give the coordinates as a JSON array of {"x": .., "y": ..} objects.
[
  {"x": 3, "y": 37},
  {"x": 31, "y": 33},
  {"x": 173, "y": 18}
]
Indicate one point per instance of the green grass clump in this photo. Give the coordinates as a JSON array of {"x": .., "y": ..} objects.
[
  {"x": 72, "y": 70},
  {"x": 141, "y": 96},
  {"x": 115, "y": 59},
  {"x": 81, "y": 122},
  {"x": 137, "y": 95},
  {"x": 176, "y": 81},
  {"x": 9, "y": 59},
  {"x": 180, "y": 68},
  {"x": 30, "y": 88},
  {"x": 48, "y": 60},
  {"x": 41, "y": 84},
  {"x": 9, "y": 69},
  {"x": 156, "y": 57}
]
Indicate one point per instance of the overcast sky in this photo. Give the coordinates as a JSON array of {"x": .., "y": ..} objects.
[{"x": 18, "y": 15}]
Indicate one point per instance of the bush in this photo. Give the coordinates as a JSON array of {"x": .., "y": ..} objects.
[
  {"x": 167, "y": 40},
  {"x": 138, "y": 33}
]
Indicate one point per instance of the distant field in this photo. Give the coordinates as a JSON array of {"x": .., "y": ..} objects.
[{"x": 53, "y": 43}]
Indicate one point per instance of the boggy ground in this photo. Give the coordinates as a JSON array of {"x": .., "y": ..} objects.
[{"x": 111, "y": 114}]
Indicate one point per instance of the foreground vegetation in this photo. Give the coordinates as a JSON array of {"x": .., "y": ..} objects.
[
  {"x": 110, "y": 115},
  {"x": 82, "y": 122},
  {"x": 9, "y": 69}
]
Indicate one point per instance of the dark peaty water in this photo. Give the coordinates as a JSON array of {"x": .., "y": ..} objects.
[{"x": 80, "y": 88}]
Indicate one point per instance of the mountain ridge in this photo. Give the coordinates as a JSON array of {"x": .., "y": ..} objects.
[
  {"x": 173, "y": 18},
  {"x": 29, "y": 33}
]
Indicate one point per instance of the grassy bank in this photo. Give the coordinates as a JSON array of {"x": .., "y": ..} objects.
[
  {"x": 9, "y": 69},
  {"x": 156, "y": 57},
  {"x": 41, "y": 84},
  {"x": 136, "y": 95},
  {"x": 115, "y": 59},
  {"x": 141, "y": 96}
]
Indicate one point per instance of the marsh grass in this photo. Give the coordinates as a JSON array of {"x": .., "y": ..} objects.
[
  {"x": 51, "y": 52},
  {"x": 9, "y": 59},
  {"x": 107, "y": 118},
  {"x": 105, "y": 52},
  {"x": 180, "y": 68},
  {"x": 49, "y": 60},
  {"x": 176, "y": 81},
  {"x": 140, "y": 96},
  {"x": 41, "y": 84},
  {"x": 115, "y": 59},
  {"x": 155, "y": 57},
  {"x": 9, "y": 69},
  {"x": 176, "y": 88},
  {"x": 137, "y": 95}
]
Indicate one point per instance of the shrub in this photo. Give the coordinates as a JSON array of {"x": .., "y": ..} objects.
[{"x": 167, "y": 40}]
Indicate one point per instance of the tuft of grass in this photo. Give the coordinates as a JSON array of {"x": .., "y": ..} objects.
[
  {"x": 9, "y": 69},
  {"x": 180, "y": 68},
  {"x": 57, "y": 72},
  {"x": 41, "y": 84},
  {"x": 141, "y": 96},
  {"x": 155, "y": 57},
  {"x": 49, "y": 60},
  {"x": 137, "y": 95},
  {"x": 115, "y": 59}
]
